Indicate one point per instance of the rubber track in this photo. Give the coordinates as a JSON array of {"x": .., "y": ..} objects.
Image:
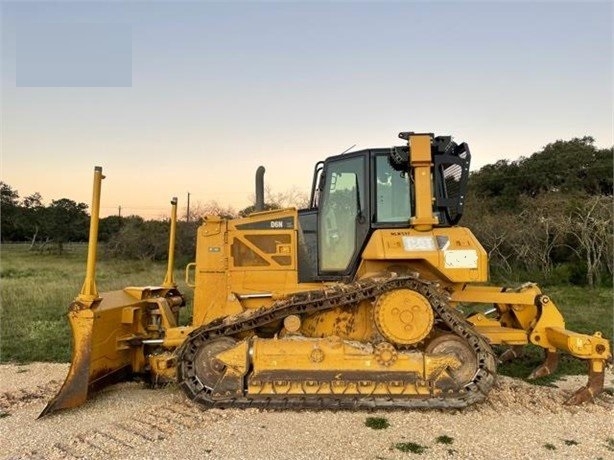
[{"x": 321, "y": 300}]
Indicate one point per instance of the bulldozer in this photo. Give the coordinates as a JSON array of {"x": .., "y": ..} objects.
[{"x": 353, "y": 302}]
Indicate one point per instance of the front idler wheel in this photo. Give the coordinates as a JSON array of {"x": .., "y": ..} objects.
[{"x": 207, "y": 367}]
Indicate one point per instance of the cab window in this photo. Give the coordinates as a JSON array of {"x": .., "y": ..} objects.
[{"x": 392, "y": 199}]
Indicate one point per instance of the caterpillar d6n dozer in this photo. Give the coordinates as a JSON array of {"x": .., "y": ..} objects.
[{"x": 350, "y": 303}]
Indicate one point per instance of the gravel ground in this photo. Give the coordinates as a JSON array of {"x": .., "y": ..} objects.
[{"x": 518, "y": 421}]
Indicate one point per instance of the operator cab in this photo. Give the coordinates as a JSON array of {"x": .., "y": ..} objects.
[{"x": 356, "y": 193}]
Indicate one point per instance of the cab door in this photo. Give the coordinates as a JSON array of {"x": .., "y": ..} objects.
[{"x": 343, "y": 222}]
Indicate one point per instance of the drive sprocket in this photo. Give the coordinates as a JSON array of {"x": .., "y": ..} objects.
[{"x": 404, "y": 317}]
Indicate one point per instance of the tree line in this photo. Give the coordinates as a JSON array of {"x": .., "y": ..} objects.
[
  {"x": 28, "y": 219},
  {"x": 546, "y": 217},
  {"x": 48, "y": 228}
]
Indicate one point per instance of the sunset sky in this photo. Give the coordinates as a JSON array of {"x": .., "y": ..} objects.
[{"x": 173, "y": 97}]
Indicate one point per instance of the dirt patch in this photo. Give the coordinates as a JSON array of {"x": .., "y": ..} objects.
[
  {"x": 9, "y": 400},
  {"x": 513, "y": 395},
  {"x": 517, "y": 421},
  {"x": 24, "y": 384}
]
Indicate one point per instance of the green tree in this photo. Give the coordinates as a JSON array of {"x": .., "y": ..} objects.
[
  {"x": 32, "y": 215},
  {"x": 109, "y": 227},
  {"x": 140, "y": 239},
  {"x": 568, "y": 166},
  {"x": 573, "y": 166},
  {"x": 548, "y": 215},
  {"x": 496, "y": 184},
  {"x": 9, "y": 212},
  {"x": 65, "y": 220}
]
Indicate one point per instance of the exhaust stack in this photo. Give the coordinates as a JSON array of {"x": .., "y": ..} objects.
[{"x": 260, "y": 189}]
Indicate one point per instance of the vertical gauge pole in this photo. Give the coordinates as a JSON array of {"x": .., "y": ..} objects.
[
  {"x": 89, "y": 292},
  {"x": 169, "y": 282}
]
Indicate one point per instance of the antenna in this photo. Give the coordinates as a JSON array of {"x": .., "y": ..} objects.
[{"x": 348, "y": 149}]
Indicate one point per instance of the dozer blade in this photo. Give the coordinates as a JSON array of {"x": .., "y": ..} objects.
[
  {"x": 74, "y": 390},
  {"x": 101, "y": 351},
  {"x": 108, "y": 329}
]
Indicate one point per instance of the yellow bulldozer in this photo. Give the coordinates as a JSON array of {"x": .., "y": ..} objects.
[{"x": 349, "y": 303}]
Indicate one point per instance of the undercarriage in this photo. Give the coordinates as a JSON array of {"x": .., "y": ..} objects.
[{"x": 226, "y": 363}]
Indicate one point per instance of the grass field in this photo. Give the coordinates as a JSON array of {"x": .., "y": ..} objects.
[{"x": 36, "y": 289}]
